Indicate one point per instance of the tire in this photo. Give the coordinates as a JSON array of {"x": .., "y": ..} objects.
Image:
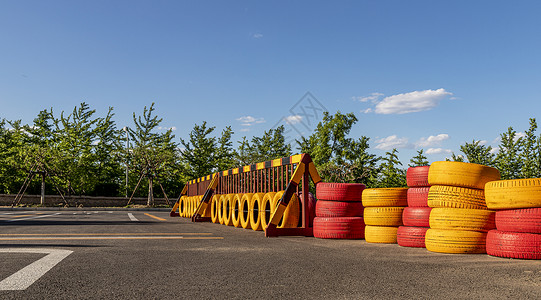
[
  {"x": 416, "y": 216},
  {"x": 418, "y": 196},
  {"x": 221, "y": 213},
  {"x": 244, "y": 210},
  {"x": 214, "y": 208},
  {"x": 516, "y": 193},
  {"x": 227, "y": 207},
  {"x": 255, "y": 215},
  {"x": 383, "y": 216},
  {"x": 266, "y": 209},
  {"x": 456, "y": 197},
  {"x": 312, "y": 202},
  {"x": 339, "y": 228},
  {"x": 235, "y": 210},
  {"x": 461, "y": 174},
  {"x": 411, "y": 236},
  {"x": 331, "y": 191},
  {"x": 385, "y": 197},
  {"x": 514, "y": 244},
  {"x": 525, "y": 220},
  {"x": 337, "y": 209},
  {"x": 182, "y": 206},
  {"x": 380, "y": 234},
  {"x": 455, "y": 241},
  {"x": 417, "y": 176},
  {"x": 290, "y": 219},
  {"x": 462, "y": 219}
]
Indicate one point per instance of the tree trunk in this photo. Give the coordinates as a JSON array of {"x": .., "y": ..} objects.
[
  {"x": 150, "y": 201},
  {"x": 42, "y": 200}
]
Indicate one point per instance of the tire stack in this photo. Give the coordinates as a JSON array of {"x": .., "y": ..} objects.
[
  {"x": 339, "y": 211},
  {"x": 416, "y": 216},
  {"x": 383, "y": 213},
  {"x": 518, "y": 219},
  {"x": 459, "y": 220}
]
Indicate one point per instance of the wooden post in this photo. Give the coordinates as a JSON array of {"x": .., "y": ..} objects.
[
  {"x": 42, "y": 201},
  {"x": 150, "y": 201}
]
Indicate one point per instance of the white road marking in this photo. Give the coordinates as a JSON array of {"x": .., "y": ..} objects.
[
  {"x": 25, "y": 277},
  {"x": 132, "y": 217},
  {"x": 29, "y": 218}
]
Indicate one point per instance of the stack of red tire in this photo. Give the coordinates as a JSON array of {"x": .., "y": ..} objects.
[
  {"x": 339, "y": 211},
  {"x": 518, "y": 219},
  {"x": 417, "y": 215}
]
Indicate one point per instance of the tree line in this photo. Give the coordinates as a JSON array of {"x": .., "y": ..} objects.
[{"x": 87, "y": 154}]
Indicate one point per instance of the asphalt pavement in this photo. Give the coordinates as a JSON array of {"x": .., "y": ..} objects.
[{"x": 148, "y": 255}]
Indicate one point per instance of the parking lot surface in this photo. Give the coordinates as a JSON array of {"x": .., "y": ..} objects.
[{"x": 148, "y": 255}]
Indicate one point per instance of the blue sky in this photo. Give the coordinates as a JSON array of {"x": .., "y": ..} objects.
[{"x": 417, "y": 74}]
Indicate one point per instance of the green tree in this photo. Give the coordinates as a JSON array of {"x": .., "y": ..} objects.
[
  {"x": 530, "y": 153},
  {"x": 508, "y": 158},
  {"x": 478, "y": 154},
  {"x": 154, "y": 155},
  {"x": 270, "y": 146},
  {"x": 419, "y": 160},
  {"x": 391, "y": 175},
  {"x": 199, "y": 151}
]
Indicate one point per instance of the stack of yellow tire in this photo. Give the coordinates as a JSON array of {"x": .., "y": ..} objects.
[
  {"x": 252, "y": 210},
  {"x": 518, "y": 218},
  {"x": 416, "y": 216},
  {"x": 460, "y": 219},
  {"x": 383, "y": 208},
  {"x": 188, "y": 205}
]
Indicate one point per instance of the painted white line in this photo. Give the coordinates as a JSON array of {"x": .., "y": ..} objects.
[
  {"x": 132, "y": 217},
  {"x": 25, "y": 277},
  {"x": 30, "y": 218}
]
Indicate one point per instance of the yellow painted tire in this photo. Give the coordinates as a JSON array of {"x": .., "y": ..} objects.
[
  {"x": 214, "y": 204},
  {"x": 512, "y": 194},
  {"x": 290, "y": 219},
  {"x": 235, "y": 210},
  {"x": 462, "y": 219},
  {"x": 244, "y": 210},
  {"x": 385, "y": 197},
  {"x": 181, "y": 202},
  {"x": 383, "y": 216},
  {"x": 207, "y": 212},
  {"x": 456, "y": 197},
  {"x": 461, "y": 174},
  {"x": 223, "y": 198},
  {"x": 380, "y": 234},
  {"x": 187, "y": 207},
  {"x": 227, "y": 206},
  {"x": 255, "y": 215},
  {"x": 455, "y": 241},
  {"x": 266, "y": 209}
]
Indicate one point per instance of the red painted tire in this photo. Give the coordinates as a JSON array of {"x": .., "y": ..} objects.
[
  {"x": 416, "y": 216},
  {"x": 337, "y": 209},
  {"x": 339, "y": 228},
  {"x": 311, "y": 207},
  {"x": 417, "y": 176},
  {"x": 527, "y": 220},
  {"x": 514, "y": 244},
  {"x": 418, "y": 196},
  {"x": 339, "y": 191},
  {"x": 411, "y": 236}
]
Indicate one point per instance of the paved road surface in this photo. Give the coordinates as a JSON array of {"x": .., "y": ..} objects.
[{"x": 147, "y": 255}]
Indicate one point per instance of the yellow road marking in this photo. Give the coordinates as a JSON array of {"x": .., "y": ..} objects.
[
  {"x": 115, "y": 238},
  {"x": 20, "y": 216},
  {"x": 105, "y": 234},
  {"x": 157, "y": 218}
]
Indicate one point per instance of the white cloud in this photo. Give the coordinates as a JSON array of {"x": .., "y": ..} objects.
[
  {"x": 245, "y": 129},
  {"x": 367, "y": 111},
  {"x": 483, "y": 142},
  {"x": 167, "y": 128},
  {"x": 438, "y": 151},
  {"x": 411, "y": 102},
  {"x": 519, "y": 135},
  {"x": 393, "y": 141},
  {"x": 494, "y": 150},
  {"x": 249, "y": 120},
  {"x": 432, "y": 140},
  {"x": 292, "y": 120},
  {"x": 374, "y": 97},
  {"x": 257, "y": 35}
]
